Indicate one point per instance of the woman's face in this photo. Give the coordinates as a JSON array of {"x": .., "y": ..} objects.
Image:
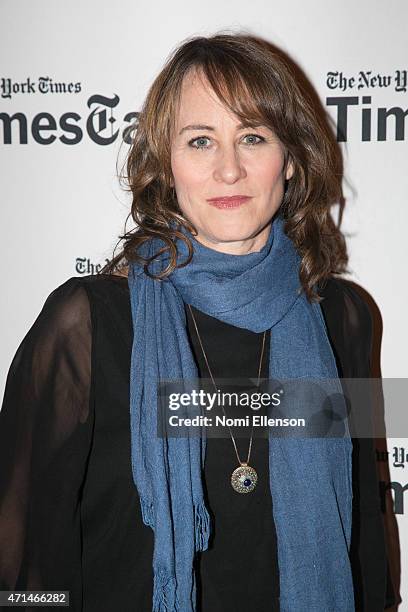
[{"x": 213, "y": 156}]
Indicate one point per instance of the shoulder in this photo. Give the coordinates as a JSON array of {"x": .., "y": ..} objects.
[
  {"x": 349, "y": 324},
  {"x": 69, "y": 310},
  {"x": 74, "y": 298},
  {"x": 345, "y": 300},
  {"x": 104, "y": 285},
  {"x": 66, "y": 305}
]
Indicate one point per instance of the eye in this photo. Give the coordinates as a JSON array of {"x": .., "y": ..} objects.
[
  {"x": 199, "y": 141},
  {"x": 253, "y": 136}
]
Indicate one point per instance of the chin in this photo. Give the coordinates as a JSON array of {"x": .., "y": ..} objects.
[{"x": 232, "y": 234}]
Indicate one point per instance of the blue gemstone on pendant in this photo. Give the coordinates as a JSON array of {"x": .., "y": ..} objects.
[{"x": 247, "y": 482}]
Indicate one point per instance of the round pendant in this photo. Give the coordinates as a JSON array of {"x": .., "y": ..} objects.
[{"x": 244, "y": 479}]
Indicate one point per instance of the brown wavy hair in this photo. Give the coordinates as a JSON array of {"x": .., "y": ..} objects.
[{"x": 257, "y": 82}]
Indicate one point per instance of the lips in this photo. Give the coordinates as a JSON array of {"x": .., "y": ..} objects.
[{"x": 229, "y": 202}]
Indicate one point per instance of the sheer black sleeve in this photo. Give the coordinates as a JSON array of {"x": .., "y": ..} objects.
[
  {"x": 351, "y": 326},
  {"x": 45, "y": 433}
]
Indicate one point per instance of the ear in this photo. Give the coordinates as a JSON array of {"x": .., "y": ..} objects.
[{"x": 289, "y": 170}]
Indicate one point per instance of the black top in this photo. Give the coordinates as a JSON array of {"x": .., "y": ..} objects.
[{"x": 70, "y": 514}]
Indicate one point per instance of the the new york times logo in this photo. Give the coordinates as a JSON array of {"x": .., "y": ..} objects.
[
  {"x": 70, "y": 127},
  {"x": 44, "y": 85},
  {"x": 83, "y": 265},
  {"x": 376, "y": 123}
]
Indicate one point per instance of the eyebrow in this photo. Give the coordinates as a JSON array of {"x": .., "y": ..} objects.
[{"x": 212, "y": 129}]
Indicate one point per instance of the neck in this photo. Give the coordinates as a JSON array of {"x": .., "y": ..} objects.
[{"x": 237, "y": 247}]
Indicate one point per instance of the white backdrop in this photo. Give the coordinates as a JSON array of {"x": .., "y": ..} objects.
[{"x": 62, "y": 208}]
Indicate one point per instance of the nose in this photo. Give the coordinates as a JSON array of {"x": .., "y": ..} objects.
[{"x": 228, "y": 165}]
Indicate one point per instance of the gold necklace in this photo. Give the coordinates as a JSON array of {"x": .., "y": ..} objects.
[{"x": 244, "y": 477}]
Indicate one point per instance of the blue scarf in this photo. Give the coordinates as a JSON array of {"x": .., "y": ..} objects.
[{"x": 310, "y": 479}]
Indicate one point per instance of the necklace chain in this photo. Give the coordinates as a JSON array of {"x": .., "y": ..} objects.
[{"x": 215, "y": 386}]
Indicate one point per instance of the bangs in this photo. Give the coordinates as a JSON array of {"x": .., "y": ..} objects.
[{"x": 243, "y": 90}]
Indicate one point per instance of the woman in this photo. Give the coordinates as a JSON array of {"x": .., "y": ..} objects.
[{"x": 232, "y": 175}]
